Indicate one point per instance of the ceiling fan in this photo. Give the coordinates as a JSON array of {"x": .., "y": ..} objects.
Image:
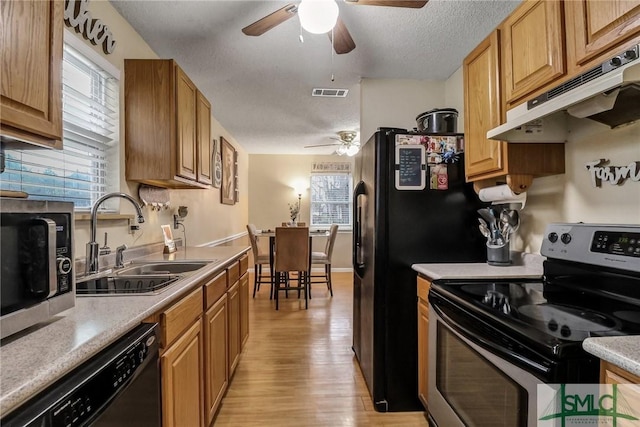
[
  {"x": 347, "y": 143},
  {"x": 340, "y": 37}
]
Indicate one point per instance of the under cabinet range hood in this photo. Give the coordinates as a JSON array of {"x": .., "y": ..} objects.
[{"x": 608, "y": 93}]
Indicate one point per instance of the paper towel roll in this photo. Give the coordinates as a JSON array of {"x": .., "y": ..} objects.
[{"x": 501, "y": 194}]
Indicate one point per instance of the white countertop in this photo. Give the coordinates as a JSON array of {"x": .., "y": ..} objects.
[
  {"x": 35, "y": 358},
  {"x": 525, "y": 266},
  {"x": 621, "y": 351}
]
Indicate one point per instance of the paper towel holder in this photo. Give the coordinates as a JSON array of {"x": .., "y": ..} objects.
[{"x": 518, "y": 183}]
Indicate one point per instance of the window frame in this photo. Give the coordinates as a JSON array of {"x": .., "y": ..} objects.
[{"x": 341, "y": 227}]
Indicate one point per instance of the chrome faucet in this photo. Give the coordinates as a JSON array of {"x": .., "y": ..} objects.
[{"x": 93, "y": 246}]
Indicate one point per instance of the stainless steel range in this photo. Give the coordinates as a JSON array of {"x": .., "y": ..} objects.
[{"x": 493, "y": 341}]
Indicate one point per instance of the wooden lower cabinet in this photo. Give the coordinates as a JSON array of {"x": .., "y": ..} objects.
[
  {"x": 216, "y": 374},
  {"x": 200, "y": 345},
  {"x": 181, "y": 367},
  {"x": 612, "y": 374},
  {"x": 233, "y": 299},
  {"x": 423, "y": 339},
  {"x": 244, "y": 309}
]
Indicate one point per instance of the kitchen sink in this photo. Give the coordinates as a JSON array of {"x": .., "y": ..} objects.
[
  {"x": 125, "y": 284},
  {"x": 140, "y": 279},
  {"x": 161, "y": 268}
]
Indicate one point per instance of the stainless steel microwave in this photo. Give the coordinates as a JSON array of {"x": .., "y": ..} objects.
[{"x": 37, "y": 277}]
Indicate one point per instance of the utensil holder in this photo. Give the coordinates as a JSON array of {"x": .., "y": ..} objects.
[{"x": 498, "y": 255}]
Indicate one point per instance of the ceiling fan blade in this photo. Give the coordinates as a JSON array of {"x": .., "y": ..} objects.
[
  {"x": 321, "y": 145},
  {"x": 416, "y": 4},
  {"x": 263, "y": 25},
  {"x": 343, "y": 42}
]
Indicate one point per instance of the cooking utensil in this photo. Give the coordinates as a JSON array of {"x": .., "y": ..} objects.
[
  {"x": 485, "y": 231},
  {"x": 439, "y": 120}
]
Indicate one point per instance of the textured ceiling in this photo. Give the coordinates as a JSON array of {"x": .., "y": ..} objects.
[{"x": 260, "y": 87}]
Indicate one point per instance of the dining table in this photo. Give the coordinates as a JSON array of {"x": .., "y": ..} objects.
[{"x": 271, "y": 233}]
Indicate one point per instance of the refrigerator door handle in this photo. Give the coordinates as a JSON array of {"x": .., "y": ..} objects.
[{"x": 358, "y": 261}]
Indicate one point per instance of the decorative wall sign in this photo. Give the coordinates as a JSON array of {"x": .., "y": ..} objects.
[
  {"x": 615, "y": 175},
  {"x": 217, "y": 165},
  {"x": 331, "y": 167},
  {"x": 228, "y": 190},
  {"x": 78, "y": 17}
]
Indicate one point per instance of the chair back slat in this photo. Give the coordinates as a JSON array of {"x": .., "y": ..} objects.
[
  {"x": 292, "y": 249},
  {"x": 253, "y": 238},
  {"x": 331, "y": 240}
]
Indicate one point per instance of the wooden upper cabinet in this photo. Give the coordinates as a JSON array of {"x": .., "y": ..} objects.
[
  {"x": 31, "y": 71},
  {"x": 532, "y": 48},
  {"x": 162, "y": 124},
  {"x": 482, "y": 108},
  {"x": 597, "y": 29},
  {"x": 203, "y": 138},
  {"x": 186, "y": 95}
]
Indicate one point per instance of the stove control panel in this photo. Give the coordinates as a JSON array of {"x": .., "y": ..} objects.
[
  {"x": 614, "y": 246},
  {"x": 625, "y": 244}
]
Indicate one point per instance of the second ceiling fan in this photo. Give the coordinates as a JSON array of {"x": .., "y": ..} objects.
[{"x": 341, "y": 39}]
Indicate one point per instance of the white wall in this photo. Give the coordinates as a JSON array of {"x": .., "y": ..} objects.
[
  {"x": 396, "y": 103},
  {"x": 208, "y": 220}
]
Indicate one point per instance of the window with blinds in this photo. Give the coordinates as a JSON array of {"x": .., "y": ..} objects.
[
  {"x": 331, "y": 199},
  {"x": 88, "y": 165}
]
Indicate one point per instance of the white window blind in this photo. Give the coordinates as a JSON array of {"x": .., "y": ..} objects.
[
  {"x": 331, "y": 199},
  {"x": 82, "y": 171}
]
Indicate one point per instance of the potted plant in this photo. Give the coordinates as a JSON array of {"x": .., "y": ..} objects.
[{"x": 294, "y": 211}]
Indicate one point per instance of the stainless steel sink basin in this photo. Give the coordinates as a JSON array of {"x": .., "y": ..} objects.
[
  {"x": 141, "y": 279},
  {"x": 125, "y": 284},
  {"x": 161, "y": 268}
]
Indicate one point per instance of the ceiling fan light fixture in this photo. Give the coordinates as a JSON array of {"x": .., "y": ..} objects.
[
  {"x": 352, "y": 150},
  {"x": 341, "y": 150},
  {"x": 318, "y": 16}
]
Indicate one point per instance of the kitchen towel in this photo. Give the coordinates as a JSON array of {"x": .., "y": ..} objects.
[{"x": 501, "y": 194}]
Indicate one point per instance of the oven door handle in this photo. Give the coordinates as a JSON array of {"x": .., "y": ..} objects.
[{"x": 487, "y": 344}]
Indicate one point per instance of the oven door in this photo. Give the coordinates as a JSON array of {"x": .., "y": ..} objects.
[{"x": 470, "y": 384}]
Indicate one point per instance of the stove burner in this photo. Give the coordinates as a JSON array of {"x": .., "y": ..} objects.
[{"x": 568, "y": 322}]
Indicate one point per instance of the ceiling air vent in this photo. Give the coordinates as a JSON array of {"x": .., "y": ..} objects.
[{"x": 330, "y": 93}]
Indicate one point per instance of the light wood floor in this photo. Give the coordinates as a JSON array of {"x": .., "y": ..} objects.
[{"x": 298, "y": 368}]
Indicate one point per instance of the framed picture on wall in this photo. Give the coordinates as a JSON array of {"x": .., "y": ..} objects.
[
  {"x": 228, "y": 189},
  {"x": 217, "y": 165}
]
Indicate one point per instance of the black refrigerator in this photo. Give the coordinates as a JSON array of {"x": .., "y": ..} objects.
[{"x": 411, "y": 205}]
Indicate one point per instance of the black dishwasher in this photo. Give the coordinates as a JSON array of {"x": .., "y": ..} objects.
[{"x": 120, "y": 386}]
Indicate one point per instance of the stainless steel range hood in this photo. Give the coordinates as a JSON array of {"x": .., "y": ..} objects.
[{"x": 609, "y": 94}]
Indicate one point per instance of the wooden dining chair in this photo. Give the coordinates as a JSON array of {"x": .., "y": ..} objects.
[
  {"x": 259, "y": 259},
  {"x": 292, "y": 254},
  {"x": 324, "y": 258}
]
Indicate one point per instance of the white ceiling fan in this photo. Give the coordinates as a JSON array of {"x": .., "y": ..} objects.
[{"x": 347, "y": 143}]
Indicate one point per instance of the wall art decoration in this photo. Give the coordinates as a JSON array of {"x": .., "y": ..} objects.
[
  {"x": 217, "y": 165},
  {"x": 228, "y": 189},
  {"x": 600, "y": 171},
  {"x": 235, "y": 178},
  {"x": 78, "y": 17}
]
